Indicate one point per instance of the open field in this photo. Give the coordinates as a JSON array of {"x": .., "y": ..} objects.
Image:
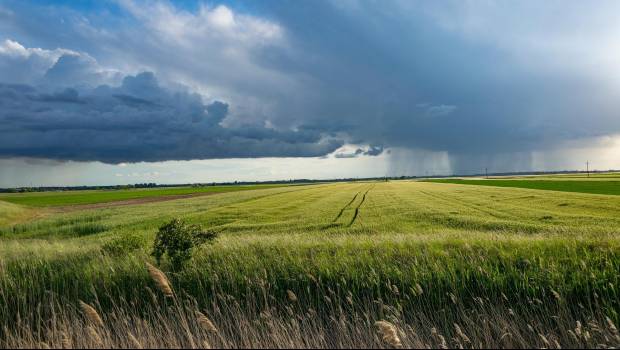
[
  {"x": 316, "y": 266},
  {"x": 65, "y": 198},
  {"x": 599, "y": 185},
  {"x": 581, "y": 176},
  {"x": 593, "y": 176}
]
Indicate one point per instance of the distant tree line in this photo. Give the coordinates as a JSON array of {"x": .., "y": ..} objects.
[{"x": 278, "y": 182}]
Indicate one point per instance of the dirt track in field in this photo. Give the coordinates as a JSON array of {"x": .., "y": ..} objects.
[{"x": 136, "y": 201}]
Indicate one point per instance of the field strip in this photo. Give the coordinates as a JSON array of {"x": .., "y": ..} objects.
[
  {"x": 357, "y": 209},
  {"x": 259, "y": 198},
  {"x": 135, "y": 201},
  {"x": 496, "y": 213},
  {"x": 305, "y": 188},
  {"x": 597, "y": 187},
  {"x": 154, "y": 199}
]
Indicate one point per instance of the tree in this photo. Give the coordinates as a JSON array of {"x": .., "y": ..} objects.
[{"x": 177, "y": 240}]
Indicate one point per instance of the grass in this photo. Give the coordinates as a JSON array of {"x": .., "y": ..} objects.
[
  {"x": 63, "y": 198},
  {"x": 596, "y": 186},
  {"x": 10, "y": 213},
  {"x": 607, "y": 175},
  {"x": 419, "y": 255}
]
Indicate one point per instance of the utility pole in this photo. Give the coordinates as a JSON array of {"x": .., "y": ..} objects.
[
  {"x": 588, "y": 168},
  {"x": 486, "y": 173}
]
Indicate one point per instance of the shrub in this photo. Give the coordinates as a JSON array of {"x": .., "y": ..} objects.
[
  {"x": 123, "y": 245},
  {"x": 177, "y": 240}
]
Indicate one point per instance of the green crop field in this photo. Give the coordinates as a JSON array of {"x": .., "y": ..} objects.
[
  {"x": 596, "y": 186},
  {"x": 446, "y": 264},
  {"x": 62, "y": 198}
]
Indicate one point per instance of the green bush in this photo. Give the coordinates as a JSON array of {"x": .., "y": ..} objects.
[
  {"x": 177, "y": 240},
  {"x": 123, "y": 245}
]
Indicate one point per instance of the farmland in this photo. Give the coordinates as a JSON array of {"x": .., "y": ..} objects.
[
  {"x": 61, "y": 198},
  {"x": 447, "y": 264},
  {"x": 599, "y": 185}
]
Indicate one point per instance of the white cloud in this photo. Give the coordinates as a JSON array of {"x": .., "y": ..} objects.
[
  {"x": 214, "y": 51},
  {"x": 221, "y": 16},
  {"x": 218, "y": 23},
  {"x": 19, "y": 64},
  {"x": 58, "y": 67},
  {"x": 10, "y": 48},
  {"x": 13, "y": 48}
]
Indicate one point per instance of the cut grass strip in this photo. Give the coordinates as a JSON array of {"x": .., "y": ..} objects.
[{"x": 65, "y": 198}]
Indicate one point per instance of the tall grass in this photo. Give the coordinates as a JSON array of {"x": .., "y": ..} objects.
[
  {"x": 174, "y": 320},
  {"x": 321, "y": 295}
]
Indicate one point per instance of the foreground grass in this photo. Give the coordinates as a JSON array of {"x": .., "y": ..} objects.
[
  {"x": 510, "y": 267},
  {"x": 537, "y": 293},
  {"x": 579, "y": 184},
  {"x": 62, "y": 198},
  {"x": 321, "y": 318}
]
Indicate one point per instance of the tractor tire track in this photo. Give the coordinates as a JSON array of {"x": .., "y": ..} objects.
[
  {"x": 357, "y": 209},
  {"x": 345, "y": 208}
]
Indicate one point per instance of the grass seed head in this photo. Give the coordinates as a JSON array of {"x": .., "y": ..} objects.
[
  {"x": 133, "y": 341},
  {"x": 418, "y": 289},
  {"x": 389, "y": 333},
  {"x": 461, "y": 334},
  {"x": 611, "y": 325},
  {"x": 160, "y": 280},
  {"x": 556, "y": 295},
  {"x": 91, "y": 314},
  {"x": 291, "y": 296},
  {"x": 544, "y": 339},
  {"x": 440, "y": 338},
  {"x": 205, "y": 322},
  {"x": 453, "y": 298},
  {"x": 94, "y": 336},
  {"x": 65, "y": 341}
]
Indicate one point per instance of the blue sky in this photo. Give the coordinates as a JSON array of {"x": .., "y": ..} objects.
[{"x": 130, "y": 91}]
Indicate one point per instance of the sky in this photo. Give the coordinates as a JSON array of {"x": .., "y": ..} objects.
[{"x": 130, "y": 91}]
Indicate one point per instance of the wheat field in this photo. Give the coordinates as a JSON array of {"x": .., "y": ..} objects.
[{"x": 345, "y": 265}]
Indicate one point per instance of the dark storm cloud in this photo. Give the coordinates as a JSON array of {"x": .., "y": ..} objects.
[
  {"x": 65, "y": 96},
  {"x": 137, "y": 121},
  {"x": 459, "y": 78},
  {"x": 369, "y": 151}
]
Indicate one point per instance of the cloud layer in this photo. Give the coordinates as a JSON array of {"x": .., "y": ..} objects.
[
  {"x": 478, "y": 83},
  {"x": 136, "y": 121}
]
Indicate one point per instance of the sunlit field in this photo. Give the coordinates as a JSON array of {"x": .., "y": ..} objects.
[
  {"x": 601, "y": 183},
  {"x": 363, "y": 264},
  {"x": 62, "y": 198}
]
